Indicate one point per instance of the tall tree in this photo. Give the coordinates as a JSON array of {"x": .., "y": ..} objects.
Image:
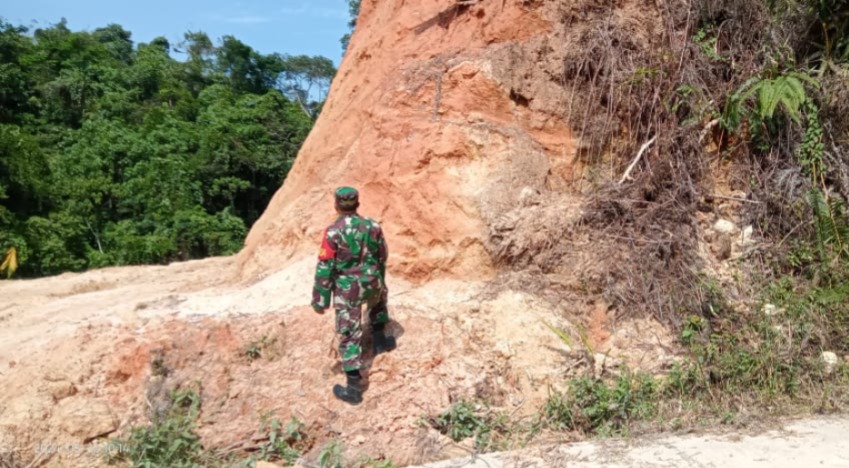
[
  {"x": 306, "y": 80},
  {"x": 354, "y": 12},
  {"x": 114, "y": 153}
]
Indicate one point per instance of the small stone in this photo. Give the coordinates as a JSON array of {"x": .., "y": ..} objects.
[
  {"x": 85, "y": 418},
  {"x": 503, "y": 348},
  {"x": 770, "y": 310},
  {"x": 528, "y": 196},
  {"x": 359, "y": 440},
  {"x": 62, "y": 390},
  {"x": 829, "y": 360},
  {"x": 723, "y": 226}
]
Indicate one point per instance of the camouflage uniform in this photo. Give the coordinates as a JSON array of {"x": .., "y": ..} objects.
[{"x": 352, "y": 266}]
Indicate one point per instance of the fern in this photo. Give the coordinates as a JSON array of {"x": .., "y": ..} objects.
[
  {"x": 786, "y": 91},
  {"x": 832, "y": 225}
]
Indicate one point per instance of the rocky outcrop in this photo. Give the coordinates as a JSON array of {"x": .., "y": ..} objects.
[{"x": 442, "y": 114}]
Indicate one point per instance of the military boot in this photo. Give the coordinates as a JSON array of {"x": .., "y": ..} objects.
[
  {"x": 381, "y": 343},
  {"x": 352, "y": 393}
]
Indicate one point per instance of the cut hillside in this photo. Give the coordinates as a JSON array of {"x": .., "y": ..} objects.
[{"x": 550, "y": 220}]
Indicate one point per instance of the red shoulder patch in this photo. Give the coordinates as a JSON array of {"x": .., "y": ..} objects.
[{"x": 326, "y": 252}]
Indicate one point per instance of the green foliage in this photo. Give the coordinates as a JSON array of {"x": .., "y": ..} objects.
[
  {"x": 354, "y": 13},
  {"x": 706, "y": 39},
  {"x": 465, "y": 419},
  {"x": 169, "y": 441},
  {"x": 370, "y": 463},
  {"x": 827, "y": 40},
  {"x": 833, "y": 30},
  {"x": 595, "y": 406},
  {"x": 116, "y": 154},
  {"x": 765, "y": 359},
  {"x": 810, "y": 150},
  {"x": 284, "y": 442},
  {"x": 460, "y": 421},
  {"x": 330, "y": 455},
  {"x": 829, "y": 210},
  {"x": 301, "y": 76},
  {"x": 566, "y": 339},
  {"x": 786, "y": 90},
  {"x": 692, "y": 328},
  {"x": 832, "y": 226}
]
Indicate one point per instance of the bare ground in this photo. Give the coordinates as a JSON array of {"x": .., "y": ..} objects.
[{"x": 84, "y": 357}]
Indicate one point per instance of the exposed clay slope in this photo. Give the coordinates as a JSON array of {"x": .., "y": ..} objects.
[
  {"x": 82, "y": 358},
  {"x": 453, "y": 123},
  {"x": 442, "y": 115}
]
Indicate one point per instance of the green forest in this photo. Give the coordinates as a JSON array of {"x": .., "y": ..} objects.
[{"x": 116, "y": 153}]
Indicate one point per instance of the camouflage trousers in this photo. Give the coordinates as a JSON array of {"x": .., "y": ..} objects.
[{"x": 348, "y": 301}]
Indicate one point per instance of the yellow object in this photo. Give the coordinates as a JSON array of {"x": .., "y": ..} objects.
[{"x": 10, "y": 262}]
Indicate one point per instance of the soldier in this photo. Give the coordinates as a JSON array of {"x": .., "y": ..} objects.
[{"x": 352, "y": 266}]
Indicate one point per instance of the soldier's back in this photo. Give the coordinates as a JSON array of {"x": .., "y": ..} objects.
[{"x": 357, "y": 245}]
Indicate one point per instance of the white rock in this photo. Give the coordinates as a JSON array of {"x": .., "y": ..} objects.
[
  {"x": 829, "y": 360},
  {"x": 528, "y": 196},
  {"x": 770, "y": 309},
  {"x": 503, "y": 348},
  {"x": 723, "y": 226}
]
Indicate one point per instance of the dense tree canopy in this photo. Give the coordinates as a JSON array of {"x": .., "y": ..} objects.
[{"x": 112, "y": 153}]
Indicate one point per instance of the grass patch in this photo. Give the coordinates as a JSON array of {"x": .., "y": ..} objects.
[
  {"x": 170, "y": 441},
  {"x": 285, "y": 442},
  {"x": 489, "y": 429},
  {"x": 593, "y": 406},
  {"x": 771, "y": 357},
  {"x": 331, "y": 455}
]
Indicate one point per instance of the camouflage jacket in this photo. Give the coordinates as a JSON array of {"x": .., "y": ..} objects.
[{"x": 352, "y": 248}]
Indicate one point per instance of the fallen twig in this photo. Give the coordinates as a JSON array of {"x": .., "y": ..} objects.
[
  {"x": 743, "y": 200},
  {"x": 636, "y": 159},
  {"x": 707, "y": 129}
]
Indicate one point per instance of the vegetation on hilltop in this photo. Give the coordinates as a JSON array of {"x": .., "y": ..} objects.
[{"x": 113, "y": 153}]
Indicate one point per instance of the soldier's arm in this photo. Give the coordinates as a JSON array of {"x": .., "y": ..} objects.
[{"x": 323, "y": 285}]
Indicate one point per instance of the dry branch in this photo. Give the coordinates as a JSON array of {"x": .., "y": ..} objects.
[{"x": 636, "y": 159}]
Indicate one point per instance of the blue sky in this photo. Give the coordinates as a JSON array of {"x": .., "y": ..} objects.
[{"x": 311, "y": 27}]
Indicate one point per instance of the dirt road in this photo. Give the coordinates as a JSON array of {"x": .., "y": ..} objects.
[{"x": 820, "y": 442}]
